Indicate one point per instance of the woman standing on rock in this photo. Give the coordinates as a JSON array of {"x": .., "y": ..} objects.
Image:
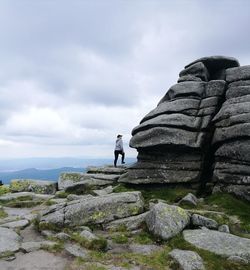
[{"x": 119, "y": 149}]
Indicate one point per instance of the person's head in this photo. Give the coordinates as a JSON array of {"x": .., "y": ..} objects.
[{"x": 119, "y": 136}]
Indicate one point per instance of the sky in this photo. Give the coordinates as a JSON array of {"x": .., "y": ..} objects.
[{"x": 74, "y": 74}]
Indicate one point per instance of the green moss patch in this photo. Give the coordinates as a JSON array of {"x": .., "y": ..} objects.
[
  {"x": 4, "y": 189},
  {"x": 231, "y": 206},
  {"x": 3, "y": 214}
]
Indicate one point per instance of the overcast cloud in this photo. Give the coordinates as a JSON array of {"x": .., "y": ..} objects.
[{"x": 74, "y": 74}]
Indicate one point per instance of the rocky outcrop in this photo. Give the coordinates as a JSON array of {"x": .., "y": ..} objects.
[
  {"x": 173, "y": 140},
  {"x": 200, "y": 129},
  {"x": 232, "y": 135}
]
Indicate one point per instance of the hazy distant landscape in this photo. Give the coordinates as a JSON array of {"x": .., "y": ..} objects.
[{"x": 47, "y": 168}]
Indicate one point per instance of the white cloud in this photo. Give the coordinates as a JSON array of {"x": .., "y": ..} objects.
[{"x": 73, "y": 76}]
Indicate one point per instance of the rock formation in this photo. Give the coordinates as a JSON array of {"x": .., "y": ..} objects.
[{"x": 200, "y": 129}]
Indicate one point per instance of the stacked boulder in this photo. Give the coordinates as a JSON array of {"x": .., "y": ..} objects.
[
  {"x": 173, "y": 141},
  {"x": 232, "y": 135}
]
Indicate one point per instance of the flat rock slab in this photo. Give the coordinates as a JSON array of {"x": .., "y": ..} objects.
[
  {"x": 19, "y": 224},
  {"x": 37, "y": 260},
  {"x": 220, "y": 243},
  {"x": 187, "y": 260},
  {"x": 95, "y": 210},
  {"x": 24, "y": 195},
  {"x": 66, "y": 180},
  {"x": 107, "y": 170},
  {"x": 9, "y": 241}
]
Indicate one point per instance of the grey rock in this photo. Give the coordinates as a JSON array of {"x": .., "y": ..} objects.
[
  {"x": 33, "y": 246},
  {"x": 47, "y": 233},
  {"x": 198, "y": 70},
  {"x": 96, "y": 210},
  {"x": 237, "y": 259},
  {"x": 217, "y": 62},
  {"x": 166, "y": 221},
  {"x": 19, "y": 224},
  {"x": 198, "y": 220},
  {"x": 62, "y": 236},
  {"x": 103, "y": 209},
  {"x": 88, "y": 235},
  {"x": 76, "y": 251},
  {"x": 36, "y": 186},
  {"x": 73, "y": 197},
  {"x": 220, "y": 243},
  {"x": 241, "y": 191},
  {"x": 130, "y": 223},
  {"x": 9, "y": 241},
  {"x": 67, "y": 180},
  {"x": 106, "y": 170},
  {"x": 224, "y": 228},
  {"x": 238, "y": 73},
  {"x": 189, "y": 199},
  {"x": 105, "y": 191},
  {"x": 189, "y": 78},
  {"x": 187, "y": 260}
]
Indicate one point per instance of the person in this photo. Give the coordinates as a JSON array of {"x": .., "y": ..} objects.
[{"x": 119, "y": 149}]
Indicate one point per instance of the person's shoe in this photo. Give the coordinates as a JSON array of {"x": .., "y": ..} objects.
[{"x": 123, "y": 162}]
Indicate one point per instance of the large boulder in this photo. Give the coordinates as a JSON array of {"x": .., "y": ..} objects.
[
  {"x": 166, "y": 221},
  {"x": 95, "y": 210},
  {"x": 220, "y": 243}
]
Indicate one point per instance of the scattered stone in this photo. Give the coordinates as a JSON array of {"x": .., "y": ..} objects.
[
  {"x": 76, "y": 251},
  {"x": 9, "y": 241},
  {"x": 198, "y": 220},
  {"x": 62, "y": 236},
  {"x": 224, "y": 228},
  {"x": 47, "y": 233},
  {"x": 36, "y": 186},
  {"x": 166, "y": 221},
  {"x": 88, "y": 235},
  {"x": 223, "y": 244},
  {"x": 187, "y": 260},
  {"x": 19, "y": 224},
  {"x": 189, "y": 199},
  {"x": 129, "y": 223}
]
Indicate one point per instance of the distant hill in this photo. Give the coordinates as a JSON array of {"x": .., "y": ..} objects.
[{"x": 32, "y": 173}]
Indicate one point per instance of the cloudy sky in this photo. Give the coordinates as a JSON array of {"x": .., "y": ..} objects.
[{"x": 74, "y": 74}]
